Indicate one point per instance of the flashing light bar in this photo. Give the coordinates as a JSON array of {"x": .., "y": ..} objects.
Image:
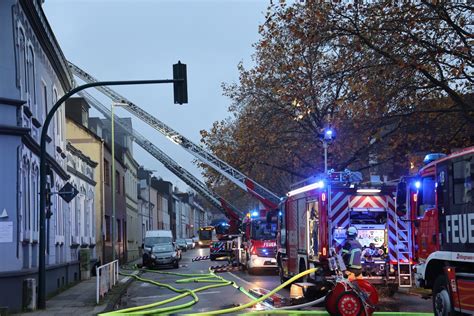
[
  {"x": 418, "y": 184},
  {"x": 309, "y": 187},
  {"x": 368, "y": 190},
  {"x": 254, "y": 213}
]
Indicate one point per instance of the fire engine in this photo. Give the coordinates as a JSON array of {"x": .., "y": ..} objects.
[
  {"x": 259, "y": 240},
  {"x": 316, "y": 215},
  {"x": 439, "y": 203}
]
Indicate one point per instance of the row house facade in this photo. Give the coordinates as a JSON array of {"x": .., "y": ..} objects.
[
  {"x": 82, "y": 138},
  {"x": 33, "y": 76},
  {"x": 82, "y": 208}
]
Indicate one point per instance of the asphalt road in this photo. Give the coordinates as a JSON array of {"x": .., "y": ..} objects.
[{"x": 140, "y": 293}]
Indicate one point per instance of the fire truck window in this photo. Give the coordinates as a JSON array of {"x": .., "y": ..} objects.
[
  {"x": 263, "y": 231},
  {"x": 313, "y": 209},
  {"x": 368, "y": 217},
  {"x": 282, "y": 228},
  {"x": 426, "y": 195},
  {"x": 463, "y": 175}
]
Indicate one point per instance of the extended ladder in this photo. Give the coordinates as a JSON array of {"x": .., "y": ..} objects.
[
  {"x": 228, "y": 209},
  {"x": 267, "y": 197},
  {"x": 404, "y": 256}
]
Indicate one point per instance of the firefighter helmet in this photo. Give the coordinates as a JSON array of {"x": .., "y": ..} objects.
[{"x": 351, "y": 232}]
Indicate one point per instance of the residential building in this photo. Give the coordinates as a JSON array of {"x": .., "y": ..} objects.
[
  {"x": 148, "y": 199},
  {"x": 34, "y": 75},
  {"x": 165, "y": 204},
  {"x": 91, "y": 145},
  {"x": 133, "y": 222},
  {"x": 82, "y": 208},
  {"x": 113, "y": 221}
]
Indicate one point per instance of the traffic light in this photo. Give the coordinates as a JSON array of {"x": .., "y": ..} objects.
[{"x": 180, "y": 83}]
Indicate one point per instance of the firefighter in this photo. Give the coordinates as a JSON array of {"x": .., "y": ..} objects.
[{"x": 351, "y": 253}]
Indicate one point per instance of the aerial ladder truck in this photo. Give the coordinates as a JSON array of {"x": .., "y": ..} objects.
[
  {"x": 260, "y": 226},
  {"x": 233, "y": 215}
]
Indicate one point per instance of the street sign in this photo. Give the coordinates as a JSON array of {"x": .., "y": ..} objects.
[{"x": 68, "y": 192}]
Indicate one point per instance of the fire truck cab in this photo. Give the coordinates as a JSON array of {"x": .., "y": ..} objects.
[
  {"x": 259, "y": 245},
  {"x": 440, "y": 202},
  {"x": 316, "y": 215}
]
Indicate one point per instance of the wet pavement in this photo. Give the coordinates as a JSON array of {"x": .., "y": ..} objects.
[{"x": 140, "y": 293}]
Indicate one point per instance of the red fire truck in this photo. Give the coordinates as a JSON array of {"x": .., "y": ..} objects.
[
  {"x": 258, "y": 249},
  {"x": 316, "y": 215},
  {"x": 440, "y": 204}
]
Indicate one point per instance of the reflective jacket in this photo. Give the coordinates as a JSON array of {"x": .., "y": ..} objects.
[{"x": 351, "y": 253}]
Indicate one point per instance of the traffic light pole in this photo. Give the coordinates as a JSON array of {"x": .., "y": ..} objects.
[{"x": 42, "y": 183}]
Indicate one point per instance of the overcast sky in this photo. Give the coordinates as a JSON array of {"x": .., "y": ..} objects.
[{"x": 138, "y": 39}]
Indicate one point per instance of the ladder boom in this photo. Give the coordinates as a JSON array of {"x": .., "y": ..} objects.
[
  {"x": 224, "y": 206},
  {"x": 267, "y": 197}
]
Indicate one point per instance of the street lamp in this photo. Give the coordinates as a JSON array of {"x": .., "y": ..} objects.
[
  {"x": 42, "y": 182},
  {"x": 326, "y": 137}
]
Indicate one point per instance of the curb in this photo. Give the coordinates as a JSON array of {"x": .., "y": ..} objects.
[{"x": 113, "y": 299}]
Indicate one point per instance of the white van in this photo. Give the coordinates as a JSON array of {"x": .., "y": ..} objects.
[{"x": 153, "y": 237}]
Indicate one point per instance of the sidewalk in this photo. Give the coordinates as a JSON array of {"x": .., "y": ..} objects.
[{"x": 80, "y": 299}]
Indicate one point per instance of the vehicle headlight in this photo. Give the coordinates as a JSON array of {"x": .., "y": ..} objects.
[
  {"x": 200, "y": 242},
  {"x": 174, "y": 255},
  {"x": 153, "y": 256}
]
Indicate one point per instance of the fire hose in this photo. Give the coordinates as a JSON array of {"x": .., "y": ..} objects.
[{"x": 220, "y": 282}]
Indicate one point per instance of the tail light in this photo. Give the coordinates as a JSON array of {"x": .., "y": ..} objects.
[{"x": 324, "y": 251}]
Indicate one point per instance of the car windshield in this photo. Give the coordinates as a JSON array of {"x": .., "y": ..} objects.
[
  {"x": 180, "y": 241},
  {"x": 150, "y": 241},
  {"x": 163, "y": 248},
  {"x": 263, "y": 231}
]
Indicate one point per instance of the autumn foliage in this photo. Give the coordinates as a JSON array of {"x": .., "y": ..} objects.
[{"x": 394, "y": 81}]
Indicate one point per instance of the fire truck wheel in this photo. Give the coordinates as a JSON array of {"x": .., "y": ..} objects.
[
  {"x": 212, "y": 257},
  {"x": 349, "y": 304},
  {"x": 441, "y": 299}
]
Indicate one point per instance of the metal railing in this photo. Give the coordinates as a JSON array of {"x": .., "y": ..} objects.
[{"x": 107, "y": 277}]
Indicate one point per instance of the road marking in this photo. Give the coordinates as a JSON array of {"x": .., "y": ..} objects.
[{"x": 239, "y": 278}]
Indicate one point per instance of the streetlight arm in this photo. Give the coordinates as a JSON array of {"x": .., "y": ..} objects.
[{"x": 42, "y": 184}]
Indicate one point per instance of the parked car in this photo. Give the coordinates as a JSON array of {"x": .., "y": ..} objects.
[
  {"x": 152, "y": 238},
  {"x": 182, "y": 244},
  {"x": 164, "y": 254},
  {"x": 190, "y": 243}
]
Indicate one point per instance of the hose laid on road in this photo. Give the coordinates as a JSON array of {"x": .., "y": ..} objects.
[{"x": 260, "y": 299}]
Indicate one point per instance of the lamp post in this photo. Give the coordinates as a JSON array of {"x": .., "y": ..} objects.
[
  {"x": 42, "y": 183},
  {"x": 326, "y": 138}
]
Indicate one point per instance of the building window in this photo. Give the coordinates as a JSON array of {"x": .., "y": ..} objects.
[
  {"x": 26, "y": 197},
  {"x": 117, "y": 181},
  {"x": 31, "y": 87},
  {"x": 22, "y": 61},
  {"x": 107, "y": 228},
  {"x": 106, "y": 172},
  {"x": 45, "y": 99}
]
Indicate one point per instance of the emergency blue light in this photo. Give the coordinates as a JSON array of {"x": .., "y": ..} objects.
[
  {"x": 254, "y": 213},
  {"x": 417, "y": 184},
  {"x": 280, "y": 213},
  {"x": 328, "y": 134}
]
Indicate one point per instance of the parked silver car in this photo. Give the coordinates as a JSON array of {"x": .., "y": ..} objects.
[
  {"x": 190, "y": 243},
  {"x": 164, "y": 254}
]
